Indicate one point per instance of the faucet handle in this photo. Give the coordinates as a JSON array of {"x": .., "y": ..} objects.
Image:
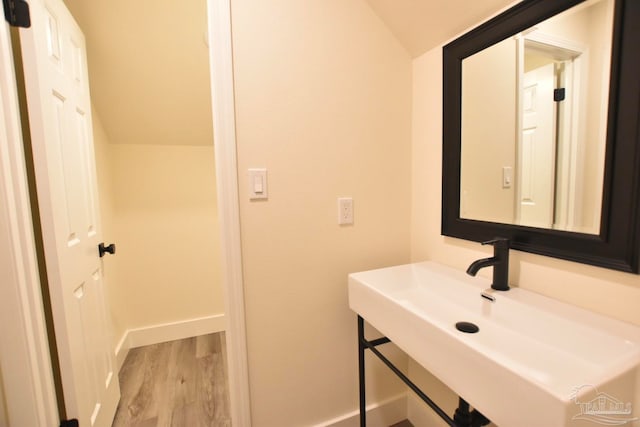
[{"x": 498, "y": 242}]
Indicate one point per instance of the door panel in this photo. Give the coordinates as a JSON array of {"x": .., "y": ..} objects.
[
  {"x": 537, "y": 151},
  {"x": 60, "y": 121}
]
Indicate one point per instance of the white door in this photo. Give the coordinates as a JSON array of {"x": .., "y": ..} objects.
[
  {"x": 536, "y": 178},
  {"x": 26, "y": 378},
  {"x": 57, "y": 88}
]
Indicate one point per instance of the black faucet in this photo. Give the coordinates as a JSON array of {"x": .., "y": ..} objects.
[{"x": 499, "y": 261}]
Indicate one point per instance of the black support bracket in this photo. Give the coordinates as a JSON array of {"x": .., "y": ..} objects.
[
  {"x": 69, "y": 423},
  {"x": 16, "y": 13},
  {"x": 463, "y": 417}
]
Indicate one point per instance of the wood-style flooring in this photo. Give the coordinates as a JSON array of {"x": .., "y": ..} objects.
[
  {"x": 175, "y": 384},
  {"x": 179, "y": 383}
]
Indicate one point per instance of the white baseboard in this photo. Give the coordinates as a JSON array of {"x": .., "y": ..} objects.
[
  {"x": 382, "y": 414},
  {"x": 164, "y": 332}
]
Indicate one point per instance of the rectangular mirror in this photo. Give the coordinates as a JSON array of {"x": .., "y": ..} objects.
[
  {"x": 540, "y": 131},
  {"x": 534, "y": 123}
]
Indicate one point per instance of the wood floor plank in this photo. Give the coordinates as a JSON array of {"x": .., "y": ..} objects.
[
  {"x": 205, "y": 344},
  {"x": 150, "y": 422},
  {"x": 145, "y": 403},
  {"x": 176, "y": 384},
  {"x": 213, "y": 408},
  {"x": 182, "y": 377},
  {"x": 131, "y": 373},
  {"x": 183, "y": 416},
  {"x": 167, "y": 395},
  {"x": 206, "y": 404},
  {"x": 141, "y": 401},
  {"x": 130, "y": 377},
  {"x": 220, "y": 389},
  {"x": 220, "y": 374}
]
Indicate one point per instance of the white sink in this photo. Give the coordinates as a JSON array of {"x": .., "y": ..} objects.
[{"x": 534, "y": 362}]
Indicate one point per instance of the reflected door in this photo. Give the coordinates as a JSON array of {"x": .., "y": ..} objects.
[{"x": 537, "y": 149}]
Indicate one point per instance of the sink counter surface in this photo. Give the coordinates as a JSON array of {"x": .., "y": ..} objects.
[{"x": 530, "y": 357}]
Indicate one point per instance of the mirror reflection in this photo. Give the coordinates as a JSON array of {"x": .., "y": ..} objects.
[{"x": 534, "y": 123}]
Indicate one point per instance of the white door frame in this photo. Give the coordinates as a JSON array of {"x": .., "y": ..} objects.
[
  {"x": 569, "y": 172},
  {"x": 24, "y": 354},
  {"x": 25, "y": 364},
  {"x": 224, "y": 137}
]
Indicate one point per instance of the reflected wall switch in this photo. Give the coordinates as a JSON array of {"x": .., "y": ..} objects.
[
  {"x": 507, "y": 176},
  {"x": 345, "y": 210},
  {"x": 258, "y": 184}
]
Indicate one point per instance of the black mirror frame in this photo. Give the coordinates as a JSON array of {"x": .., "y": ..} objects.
[{"x": 618, "y": 244}]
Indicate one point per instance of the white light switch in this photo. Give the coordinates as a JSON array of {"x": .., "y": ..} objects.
[
  {"x": 258, "y": 184},
  {"x": 507, "y": 177}
]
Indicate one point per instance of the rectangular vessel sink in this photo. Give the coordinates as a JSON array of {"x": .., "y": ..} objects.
[{"x": 534, "y": 361}]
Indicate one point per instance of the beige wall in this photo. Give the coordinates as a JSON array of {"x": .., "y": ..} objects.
[
  {"x": 167, "y": 234},
  {"x": 323, "y": 100},
  {"x": 107, "y": 216},
  {"x": 158, "y": 201},
  {"x": 158, "y": 204},
  {"x": 604, "y": 291},
  {"x": 490, "y": 133}
]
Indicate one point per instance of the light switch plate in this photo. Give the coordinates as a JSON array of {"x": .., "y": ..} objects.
[
  {"x": 258, "y": 184},
  {"x": 507, "y": 176}
]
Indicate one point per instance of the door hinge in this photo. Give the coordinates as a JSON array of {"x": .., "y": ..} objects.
[
  {"x": 69, "y": 423},
  {"x": 16, "y": 12},
  {"x": 558, "y": 94}
]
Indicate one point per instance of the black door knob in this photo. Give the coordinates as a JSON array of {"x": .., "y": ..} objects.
[{"x": 102, "y": 249}]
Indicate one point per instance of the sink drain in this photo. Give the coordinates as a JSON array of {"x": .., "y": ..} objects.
[{"x": 467, "y": 327}]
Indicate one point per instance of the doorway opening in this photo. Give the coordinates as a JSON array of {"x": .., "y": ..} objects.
[
  {"x": 549, "y": 128},
  {"x": 150, "y": 87},
  {"x": 219, "y": 11}
]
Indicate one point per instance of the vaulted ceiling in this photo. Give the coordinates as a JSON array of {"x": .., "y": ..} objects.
[
  {"x": 149, "y": 69},
  {"x": 423, "y": 24}
]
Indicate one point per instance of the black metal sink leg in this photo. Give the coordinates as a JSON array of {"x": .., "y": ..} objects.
[
  {"x": 465, "y": 418},
  {"x": 361, "y": 385},
  {"x": 462, "y": 417}
]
